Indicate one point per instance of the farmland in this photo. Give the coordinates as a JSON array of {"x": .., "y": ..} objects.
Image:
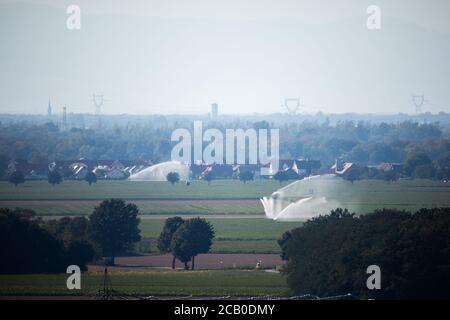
[
  {"x": 222, "y": 197},
  {"x": 162, "y": 283},
  {"x": 78, "y": 198},
  {"x": 231, "y": 206},
  {"x": 135, "y": 190},
  {"x": 237, "y": 234},
  {"x": 55, "y": 208}
]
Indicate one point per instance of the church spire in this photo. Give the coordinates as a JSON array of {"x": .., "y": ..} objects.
[{"x": 49, "y": 108}]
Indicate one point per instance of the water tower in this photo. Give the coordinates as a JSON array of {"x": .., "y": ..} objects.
[{"x": 214, "y": 111}]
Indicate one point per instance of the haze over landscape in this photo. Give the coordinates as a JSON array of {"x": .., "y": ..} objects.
[
  {"x": 242, "y": 152},
  {"x": 166, "y": 57}
]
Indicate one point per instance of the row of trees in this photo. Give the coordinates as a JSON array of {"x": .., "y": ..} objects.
[
  {"x": 417, "y": 166},
  {"x": 360, "y": 142},
  {"x": 54, "y": 178},
  {"x": 30, "y": 245},
  {"x": 329, "y": 255},
  {"x": 245, "y": 176},
  {"x": 27, "y": 246},
  {"x": 185, "y": 239}
]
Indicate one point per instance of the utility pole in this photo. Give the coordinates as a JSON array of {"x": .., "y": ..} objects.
[
  {"x": 106, "y": 293},
  {"x": 64, "y": 119},
  {"x": 49, "y": 108}
]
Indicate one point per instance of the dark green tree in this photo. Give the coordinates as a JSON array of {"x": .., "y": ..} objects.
[
  {"x": 202, "y": 234},
  {"x": 173, "y": 177},
  {"x": 282, "y": 242},
  {"x": 415, "y": 160},
  {"x": 91, "y": 177},
  {"x": 192, "y": 238},
  {"x": 246, "y": 176},
  {"x": 426, "y": 171},
  {"x": 165, "y": 238},
  {"x": 16, "y": 178},
  {"x": 26, "y": 247},
  {"x": 74, "y": 234},
  {"x": 79, "y": 253},
  {"x": 390, "y": 175},
  {"x": 69, "y": 229},
  {"x": 182, "y": 245},
  {"x": 54, "y": 177},
  {"x": 114, "y": 227},
  {"x": 3, "y": 165},
  {"x": 329, "y": 255},
  {"x": 353, "y": 174},
  {"x": 280, "y": 176},
  {"x": 208, "y": 177}
]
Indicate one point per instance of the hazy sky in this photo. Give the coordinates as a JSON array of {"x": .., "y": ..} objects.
[{"x": 149, "y": 56}]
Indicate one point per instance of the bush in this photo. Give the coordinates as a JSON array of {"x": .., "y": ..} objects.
[
  {"x": 54, "y": 177},
  {"x": 173, "y": 177},
  {"x": 16, "y": 178},
  {"x": 27, "y": 247},
  {"x": 329, "y": 255}
]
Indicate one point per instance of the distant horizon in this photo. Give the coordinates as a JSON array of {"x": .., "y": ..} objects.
[
  {"x": 280, "y": 113},
  {"x": 228, "y": 114},
  {"x": 157, "y": 57}
]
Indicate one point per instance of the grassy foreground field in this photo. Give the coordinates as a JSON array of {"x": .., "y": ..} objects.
[{"x": 202, "y": 283}]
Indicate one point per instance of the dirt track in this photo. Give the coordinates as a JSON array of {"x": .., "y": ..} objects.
[{"x": 202, "y": 261}]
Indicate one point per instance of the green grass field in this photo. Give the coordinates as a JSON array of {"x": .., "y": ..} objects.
[
  {"x": 162, "y": 283},
  {"x": 367, "y": 195},
  {"x": 72, "y": 208},
  {"x": 159, "y": 200},
  {"x": 240, "y": 227},
  {"x": 228, "y": 228},
  {"x": 72, "y": 197},
  {"x": 124, "y": 189},
  {"x": 233, "y": 234}
]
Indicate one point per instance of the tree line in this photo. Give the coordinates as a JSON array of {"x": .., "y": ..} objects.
[
  {"x": 355, "y": 141},
  {"x": 29, "y": 244},
  {"x": 329, "y": 255},
  {"x": 53, "y": 177}
]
